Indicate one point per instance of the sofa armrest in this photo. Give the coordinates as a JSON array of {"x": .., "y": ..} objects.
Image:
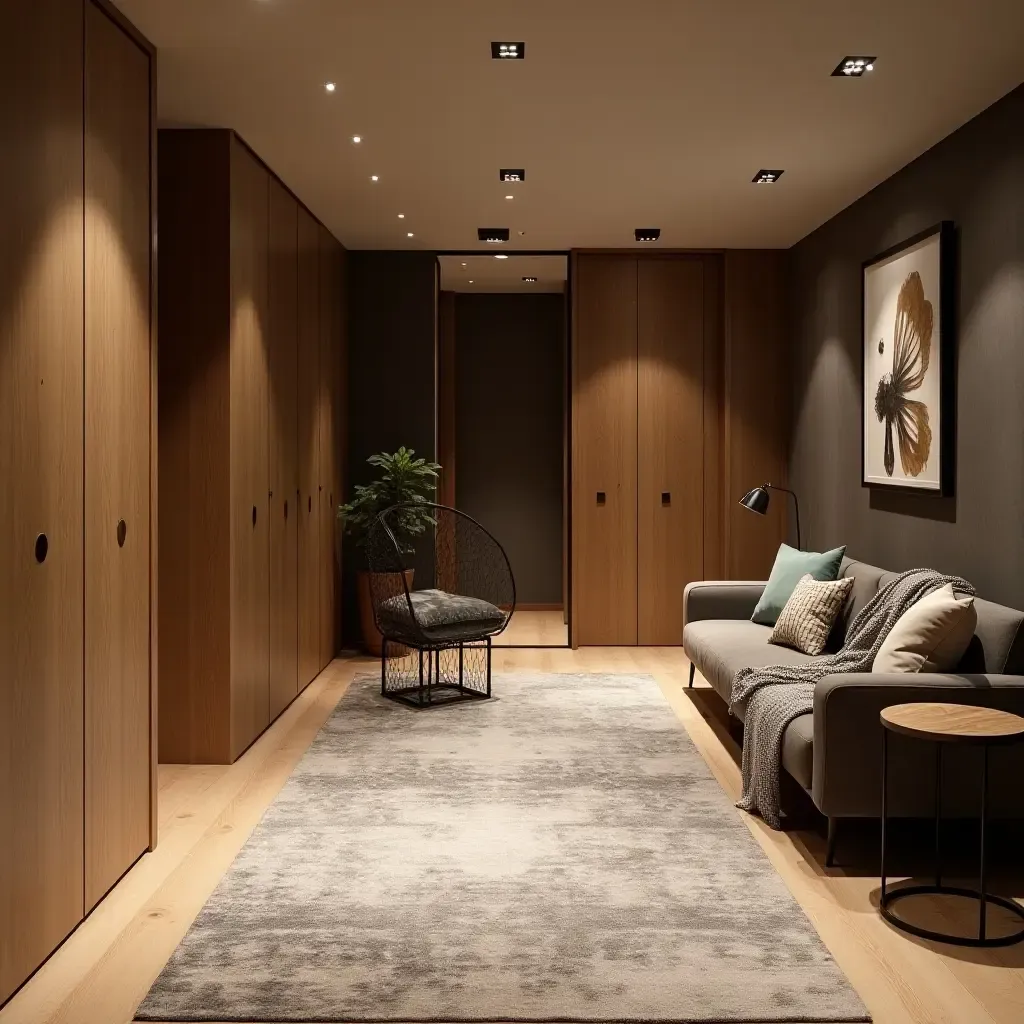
[
  {"x": 847, "y": 771},
  {"x": 721, "y": 599}
]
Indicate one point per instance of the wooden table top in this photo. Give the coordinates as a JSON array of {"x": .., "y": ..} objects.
[{"x": 954, "y": 723}]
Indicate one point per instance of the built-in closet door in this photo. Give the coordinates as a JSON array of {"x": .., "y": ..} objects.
[
  {"x": 41, "y": 417},
  {"x": 308, "y": 417},
  {"x": 117, "y": 452},
  {"x": 670, "y": 450},
  {"x": 250, "y": 460},
  {"x": 329, "y": 315},
  {"x": 284, "y": 471},
  {"x": 605, "y": 450}
]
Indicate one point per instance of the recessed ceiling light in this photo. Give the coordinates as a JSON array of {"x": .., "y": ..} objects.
[
  {"x": 401, "y": 216},
  {"x": 508, "y": 51},
  {"x": 501, "y": 255},
  {"x": 408, "y": 234},
  {"x": 470, "y": 282},
  {"x": 512, "y": 174},
  {"x": 510, "y": 197},
  {"x": 357, "y": 139},
  {"x": 330, "y": 86},
  {"x": 373, "y": 177},
  {"x": 530, "y": 280},
  {"x": 492, "y": 234},
  {"x": 764, "y": 177},
  {"x": 854, "y": 67},
  {"x": 647, "y": 234},
  {"x": 463, "y": 264}
]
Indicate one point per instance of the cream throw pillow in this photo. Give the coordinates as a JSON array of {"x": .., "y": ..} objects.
[
  {"x": 811, "y": 611},
  {"x": 930, "y": 636}
]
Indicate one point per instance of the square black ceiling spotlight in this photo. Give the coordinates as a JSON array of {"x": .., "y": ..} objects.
[
  {"x": 647, "y": 234},
  {"x": 764, "y": 177},
  {"x": 508, "y": 51},
  {"x": 853, "y": 67},
  {"x": 492, "y": 234},
  {"x": 512, "y": 174}
]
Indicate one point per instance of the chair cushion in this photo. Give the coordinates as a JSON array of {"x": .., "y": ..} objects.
[
  {"x": 439, "y": 616},
  {"x": 721, "y": 647}
]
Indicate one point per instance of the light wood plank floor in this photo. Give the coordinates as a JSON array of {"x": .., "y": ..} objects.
[
  {"x": 103, "y": 971},
  {"x": 541, "y": 629}
]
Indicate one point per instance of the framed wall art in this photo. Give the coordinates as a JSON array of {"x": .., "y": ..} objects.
[{"x": 909, "y": 345}]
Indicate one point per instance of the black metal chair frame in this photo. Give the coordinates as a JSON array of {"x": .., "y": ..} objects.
[{"x": 432, "y": 688}]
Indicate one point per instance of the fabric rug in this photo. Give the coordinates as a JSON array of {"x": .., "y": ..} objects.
[{"x": 559, "y": 853}]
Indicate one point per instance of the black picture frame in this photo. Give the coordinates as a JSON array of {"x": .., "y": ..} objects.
[{"x": 948, "y": 333}]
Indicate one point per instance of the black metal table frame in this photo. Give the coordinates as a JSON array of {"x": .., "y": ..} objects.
[
  {"x": 890, "y": 896},
  {"x": 429, "y": 683}
]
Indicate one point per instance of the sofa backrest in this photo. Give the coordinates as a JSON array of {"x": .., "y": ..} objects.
[{"x": 998, "y": 643}]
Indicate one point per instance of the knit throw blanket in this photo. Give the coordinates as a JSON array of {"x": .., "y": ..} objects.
[{"x": 773, "y": 696}]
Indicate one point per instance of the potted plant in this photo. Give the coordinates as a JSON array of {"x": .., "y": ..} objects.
[{"x": 403, "y": 479}]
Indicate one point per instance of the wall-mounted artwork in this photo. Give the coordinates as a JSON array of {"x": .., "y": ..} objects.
[{"x": 909, "y": 342}]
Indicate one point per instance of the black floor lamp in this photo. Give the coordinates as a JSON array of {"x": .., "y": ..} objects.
[{"x": 757, "y": 501}]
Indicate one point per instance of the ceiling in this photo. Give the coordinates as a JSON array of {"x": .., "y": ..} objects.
[
  {"x": 486, "y": 274},
  {"x": 651, "y": 113}
]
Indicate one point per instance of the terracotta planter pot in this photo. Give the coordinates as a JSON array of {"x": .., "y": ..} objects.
[{"x": 372, "y": 640}]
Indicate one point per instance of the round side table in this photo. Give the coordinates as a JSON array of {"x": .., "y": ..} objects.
[{"x": 942, "y": 724}]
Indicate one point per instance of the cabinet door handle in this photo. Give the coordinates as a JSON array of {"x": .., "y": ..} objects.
[
  {"x": 254, "y": 516},
  {"x": 286, "y": 509},
  {"x": 601, "y": 497},
  {"x": 309, "y": 506},
  {"x": 666, "y": 498},
  {"x": 122, "y": 532},
  {"x": 42, "y": 546}
]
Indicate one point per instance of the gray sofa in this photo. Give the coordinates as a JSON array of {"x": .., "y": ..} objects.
[{"x": 835, "y": 752}]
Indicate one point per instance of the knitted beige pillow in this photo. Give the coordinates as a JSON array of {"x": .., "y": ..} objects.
[
  {"x": 810, "y": 613},
  {"x": 930, "y": 636}
]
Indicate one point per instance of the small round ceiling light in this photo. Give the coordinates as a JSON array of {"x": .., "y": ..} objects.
[
  {"x": 374, "y": 177},
  {"x": 357, "y": 139},
  {"x": 408, "y": 234},
  {"x": 330, "y": 86},
  {"x": 501, "y": 255}
]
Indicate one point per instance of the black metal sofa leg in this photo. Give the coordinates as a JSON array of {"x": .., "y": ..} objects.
[
  {"x": 830, "y": 849},
  {"x": 690, "y": 684}
]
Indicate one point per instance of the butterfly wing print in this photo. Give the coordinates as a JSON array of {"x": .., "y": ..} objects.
[{"x": 912, "y": 346}]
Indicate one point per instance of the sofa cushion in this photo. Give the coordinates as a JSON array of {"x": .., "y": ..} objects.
[
  {"x": 807, "y": 619},
  {"x": 930, "y": 636},
  {"x": 721, "y": 647},
  {"x": 789, "y": 568},
  {"x": 798, "y": 749}
]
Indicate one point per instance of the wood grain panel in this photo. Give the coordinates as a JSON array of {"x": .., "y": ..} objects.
[
  {"x": 670, "y": 448},
  {"x": 250, "y": 462},
  {"x": 604, "y": 555},
  {"x": 117, "y": 452},
  {"x": 194, "y": 604},
  {"x": 756, "y": 406},
  {"x": 714, "y": 425},
  {"x": 330, "y": 317},
  {"x": 41, "y": 421},
  {"x": 284, "y": 472},
  {"x": 309, "y": 448}
]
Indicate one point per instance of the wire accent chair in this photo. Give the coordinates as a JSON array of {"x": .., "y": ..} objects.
[{"x": 437, "y": 640}]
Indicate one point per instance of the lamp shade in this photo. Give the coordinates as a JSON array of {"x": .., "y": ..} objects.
[{"x": 756, "y": 500}]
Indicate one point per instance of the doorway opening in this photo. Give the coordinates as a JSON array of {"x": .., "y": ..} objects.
[{"x": 503, "y": 423}]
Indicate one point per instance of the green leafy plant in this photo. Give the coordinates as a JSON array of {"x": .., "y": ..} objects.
[{"x": 403, "y": 479}]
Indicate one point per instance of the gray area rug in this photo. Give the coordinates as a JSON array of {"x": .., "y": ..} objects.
[{"x": 559, "y": 853}]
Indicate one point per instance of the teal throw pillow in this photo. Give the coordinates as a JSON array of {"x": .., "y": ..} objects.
[{"x": 790, "y": 566}]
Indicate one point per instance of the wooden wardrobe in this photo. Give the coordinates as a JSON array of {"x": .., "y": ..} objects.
[
  {"x": 678, "y": 400},
  {"x": 252, "y": 328},
  {"x": 77, "y": 363}
]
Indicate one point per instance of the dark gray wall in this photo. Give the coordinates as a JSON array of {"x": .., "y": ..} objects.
[
  {"x": 390, "y": 375},
  {"x": 509, "y": 399},
  {"x": 975, "y": 177}
]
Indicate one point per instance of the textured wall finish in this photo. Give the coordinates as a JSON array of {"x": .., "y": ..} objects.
[
  {"x": 975, "y": 178},
  {"x": 562, "y": 852}
]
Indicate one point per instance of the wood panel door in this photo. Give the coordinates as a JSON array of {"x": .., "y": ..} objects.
[
  {"x": 284, "y": 470},
  {"x": 670, "y": 450},
  {"x": 117, "y": 452},
  {"x": 308, "y": 492},
  {"x": 604, "y": 548},
  {"x": 41, "y": 419},
  {"x": 250, "y": 461},
  {"x": 326, "y": 398}
]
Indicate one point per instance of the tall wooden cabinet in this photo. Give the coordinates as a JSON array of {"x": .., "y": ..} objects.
[
  {"x": 678, "y": 407},
  {"x": 76, "y": 204},
  {"x": 248, "y": 304}
]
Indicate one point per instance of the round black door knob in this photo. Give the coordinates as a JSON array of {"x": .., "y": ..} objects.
[
  {"x": 254, "y": 515},
  {"x": 122, "y": 532},
  {"x": 42, "y": 546}
]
